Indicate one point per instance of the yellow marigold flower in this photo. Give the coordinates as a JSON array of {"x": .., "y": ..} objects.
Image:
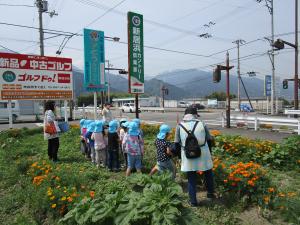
[
  {"x": 52, "y": 198},
  {"x": 271, "y": 190},
  {"x": 53, "y": 206},
  {"x": 291, "y": 194},
  {"x": 63, "y": 198},
  {"x": 266, "y": 199},
  {"x": 34, "y": 164}
]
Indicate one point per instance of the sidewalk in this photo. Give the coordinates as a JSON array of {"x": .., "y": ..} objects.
[{"x": 252, "y": 134}]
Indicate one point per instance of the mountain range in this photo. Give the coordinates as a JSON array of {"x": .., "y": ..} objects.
[{"x": 186, "y": 84}]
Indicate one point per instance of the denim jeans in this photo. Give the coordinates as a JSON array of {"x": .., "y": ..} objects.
[
  {"x": 192, "y": 182},
  {"x": 113, "y": 159},
  {"x": 167, "y": 165}
]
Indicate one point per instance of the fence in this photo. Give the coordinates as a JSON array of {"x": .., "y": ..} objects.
[{"x": 263, "y": 122}]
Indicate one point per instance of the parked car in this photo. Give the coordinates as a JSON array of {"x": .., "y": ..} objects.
[
  {"x": 4, "y": 110},
  {"x": 129, "y": 107},
  {"x": 198, "y": 106},
  {"x": 183, "y": 104}
]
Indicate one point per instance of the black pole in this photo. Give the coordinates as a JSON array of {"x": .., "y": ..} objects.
[
  {"x": 227, "y": 92},
  {"x": 246, "y": 92},
  {"x": 136, "y": 106}
]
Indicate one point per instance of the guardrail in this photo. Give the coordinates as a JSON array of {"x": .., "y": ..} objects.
[
  {"x": 257, "y": 122},
  {"x": 290, "y": 112}
]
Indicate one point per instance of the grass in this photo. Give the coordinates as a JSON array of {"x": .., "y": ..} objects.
[{"x": 24, "y": 203}]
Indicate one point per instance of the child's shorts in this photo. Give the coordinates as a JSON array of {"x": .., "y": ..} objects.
[{"x": 134, "y": 161}]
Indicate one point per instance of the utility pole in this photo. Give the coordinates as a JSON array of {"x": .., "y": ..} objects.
[
  {"x": 41, "y": 8},
  {"x": 270, "y": 5},
  {"x": 238, "y": 42},
  {"x": 217, "y": 78},
  {"x": 296, "y": 100}
]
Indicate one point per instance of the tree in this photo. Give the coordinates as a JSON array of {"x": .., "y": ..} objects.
[{"x": 220, "y": 96}]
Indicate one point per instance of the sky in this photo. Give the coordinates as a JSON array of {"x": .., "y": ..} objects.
[{"x": 168, "y": 24}]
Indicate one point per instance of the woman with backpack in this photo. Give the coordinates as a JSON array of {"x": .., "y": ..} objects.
[{"x": 191, "y": 138}]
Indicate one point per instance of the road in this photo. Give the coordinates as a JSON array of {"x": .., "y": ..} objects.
[{"x": 212, "y": 119}]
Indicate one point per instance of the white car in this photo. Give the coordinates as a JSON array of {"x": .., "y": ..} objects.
[
  {"x": 183, "y": 104},
  {"x": 128, "y": 107}
]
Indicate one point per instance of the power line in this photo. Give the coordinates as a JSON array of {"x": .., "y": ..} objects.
[
  {"x": 67, "y": 33},
  {"x": 13, "y": 5},
  {"x": 9, "y": 49}
]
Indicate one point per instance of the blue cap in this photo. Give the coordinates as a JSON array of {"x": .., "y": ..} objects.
[
  {"x": 113, "y": 126},
  {"x": 98, "y": 126},
  {"x": 126, "y": 124},
  {"x": 82, "y": 122},
  {"x": 137, "y": 121},
  {"x": 91, "y": 126},
  {"x": 133, "y": 129},
  {"x": 163, "y": 130},
  {"x": 86, "y": 123}
]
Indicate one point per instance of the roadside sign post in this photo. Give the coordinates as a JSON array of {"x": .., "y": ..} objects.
[
  {"x": 135, "y": 56},
  {"x": 10, "y": 121},
  {"x": 94, "y": 69},
  {"x": 95, "y": 105},
  {"x": 268, "y": 89},
  {"x": 65, "y": 108},
  {"x": 33, "y": 77}
]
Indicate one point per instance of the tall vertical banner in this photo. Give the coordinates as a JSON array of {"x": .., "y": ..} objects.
[
  {"x": 268, "y": 85},
  {"x": 94, "y": 61},
  {"x": 135, "y": 53}
]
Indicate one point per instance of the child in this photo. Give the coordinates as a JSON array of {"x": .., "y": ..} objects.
[
  {"x": 100, "y": 145},
  {"x": 88, "y": 135},
  {"x": 113, "y": 146},
  {"x": 163, "y": 147},
  {"x": 82, "y": 134},
  {"x": 122, "y": 133},
  {"x": 134, "y": 146}
]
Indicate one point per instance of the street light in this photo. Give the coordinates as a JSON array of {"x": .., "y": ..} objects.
[{"x": 279, "y": 44}]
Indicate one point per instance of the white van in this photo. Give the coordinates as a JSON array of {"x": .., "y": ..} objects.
[{"x": 4, "y": 110}]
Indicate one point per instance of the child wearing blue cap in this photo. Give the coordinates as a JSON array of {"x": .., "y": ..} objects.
[
  {"x": 134, "y": 146},
  {"x": 88, "y": 137},
  {"x": 122, "y": 132},
  {"x": 100, "y": 144},
  {"x": 113, "y": 146},
  {"x": 164, "y": 154}
]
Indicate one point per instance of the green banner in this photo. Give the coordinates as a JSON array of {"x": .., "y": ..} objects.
[{"x": 135, "y": 53}]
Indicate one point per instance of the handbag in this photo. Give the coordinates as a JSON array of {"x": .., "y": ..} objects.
[
  {"x": 63, "y": 126},
  {"x": 50, "y": 128}
]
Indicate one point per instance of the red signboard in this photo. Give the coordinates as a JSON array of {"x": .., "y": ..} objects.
[{"x": 35, "y": 77}]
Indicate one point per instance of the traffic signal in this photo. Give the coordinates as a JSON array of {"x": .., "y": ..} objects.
[
  {"x": 285, "y": 84},
  {"x": 279, "y": 44},
  {"x": 123, "y": 72},
  {"x": 217, "y": 75}
]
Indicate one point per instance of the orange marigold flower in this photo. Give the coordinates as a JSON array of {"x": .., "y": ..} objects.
[
  {"x": 225, "y": 181},
  {"x": 92, "y": 194},
  {"x": 53, "y": 206},
  {"x": 70, "y": 199},
  {"x": 251, "y": 183}
]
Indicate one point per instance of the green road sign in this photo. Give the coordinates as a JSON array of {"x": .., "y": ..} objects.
[{"x": 135, "y": 53}]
